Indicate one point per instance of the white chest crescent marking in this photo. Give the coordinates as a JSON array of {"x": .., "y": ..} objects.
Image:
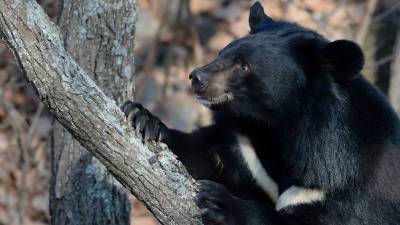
[
  {"x": 256, "y": 168},
  {"x": 292, "y": 196},
  {"x": 299, "y": 195}
]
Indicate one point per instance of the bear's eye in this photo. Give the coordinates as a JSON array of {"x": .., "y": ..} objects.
[{"x": 244, "y": 67}]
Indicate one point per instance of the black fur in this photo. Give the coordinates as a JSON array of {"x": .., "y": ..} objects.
[{"x": 313, "y": 120}]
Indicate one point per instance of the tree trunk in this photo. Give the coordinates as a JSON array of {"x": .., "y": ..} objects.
[
  {"x": 99, "y": 35},
  {"x": 151, "y": 172}
]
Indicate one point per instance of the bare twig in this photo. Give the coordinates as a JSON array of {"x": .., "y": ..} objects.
[
  {"x": 386, "y": 13},
  {"x": 394, "y": 89},
  {"x": 34, "y": 123},
  {"x": 381, "y": 61}
]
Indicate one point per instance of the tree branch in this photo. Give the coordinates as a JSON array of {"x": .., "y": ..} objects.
[{"x": 150, "y": 172}]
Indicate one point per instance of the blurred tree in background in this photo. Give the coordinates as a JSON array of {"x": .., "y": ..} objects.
[{"x": 172, "y": 38}]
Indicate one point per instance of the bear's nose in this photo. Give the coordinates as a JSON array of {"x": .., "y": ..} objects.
[{"x": 198, "y": 78}]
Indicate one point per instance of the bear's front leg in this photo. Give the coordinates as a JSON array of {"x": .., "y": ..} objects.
[
  {"x": 193, "y": 150},
  {"x": 220, "y": 207}
]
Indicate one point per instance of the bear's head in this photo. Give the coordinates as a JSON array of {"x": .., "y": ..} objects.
[{"x": 270, "y": 72}]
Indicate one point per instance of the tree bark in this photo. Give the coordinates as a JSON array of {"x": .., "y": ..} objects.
[
  {"x": 99, "y": 35},
  {"x": 151, "y": 172}
]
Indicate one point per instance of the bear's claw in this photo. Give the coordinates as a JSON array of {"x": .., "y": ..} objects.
[
  {"x": 149, "y": 127},
  {"x": 216, "y": 202}
]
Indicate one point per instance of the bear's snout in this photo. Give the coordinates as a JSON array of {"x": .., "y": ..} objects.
[{"x": 199, "y": 81}]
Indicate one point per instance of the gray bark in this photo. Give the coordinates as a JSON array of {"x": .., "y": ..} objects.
[
  {"x": 151, "y": 172},
  {"x": 99, "y": 35}
]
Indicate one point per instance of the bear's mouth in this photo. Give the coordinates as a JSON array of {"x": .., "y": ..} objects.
[{"x": 210, "y": 101}]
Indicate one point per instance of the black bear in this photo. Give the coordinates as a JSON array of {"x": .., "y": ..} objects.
[{"x": 300, "y": 137}]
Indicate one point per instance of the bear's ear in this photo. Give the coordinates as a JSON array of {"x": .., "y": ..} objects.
[
  {"x": 258, "y": 19},
  {"x": 343, "y": 59}
]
